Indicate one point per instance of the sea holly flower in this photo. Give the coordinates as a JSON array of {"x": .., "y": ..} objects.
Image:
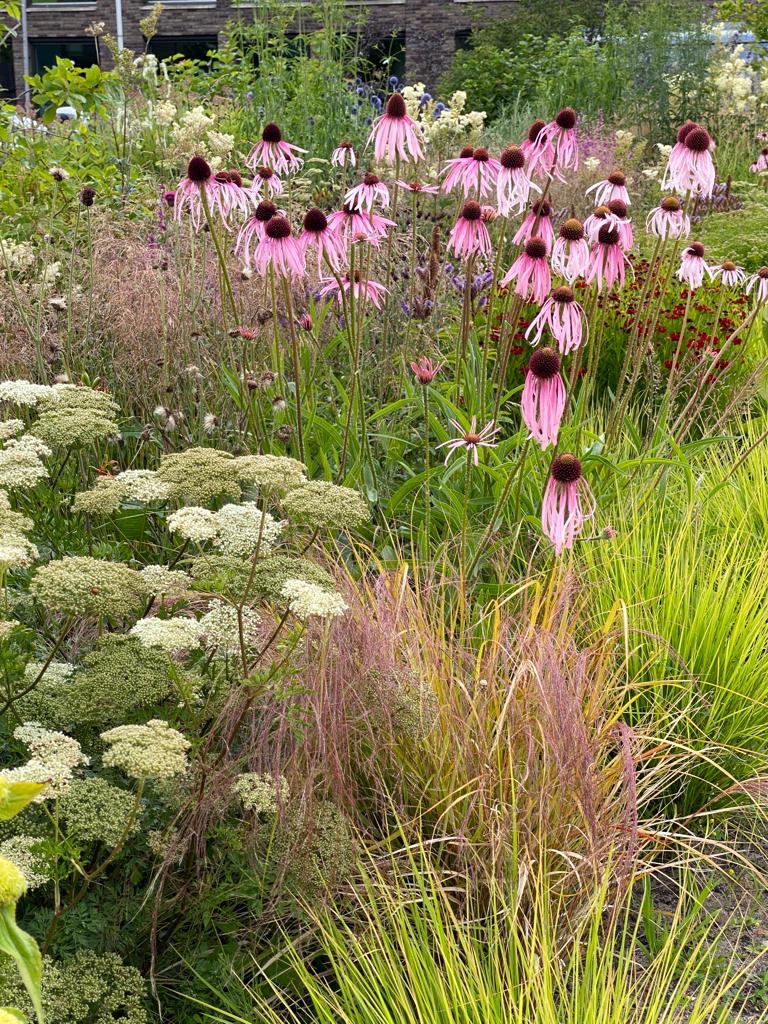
[
  {"x": 563, "y": 511},
  {"x": 199, "y": 182},
  {"x": 370, "y": 190},
  {"x": 759, "y": 283},
  {"x": 530, "y": 271},
  {"x": 543, "y": 400},
  {"x": 513, "y": 186},
  {"x": 425, "y": 371},
  {"x": 469, "y": 235},
  {"x": 563, "y": 317},
  {"x": 668, "y": 219},
  {"x": 693, "y": 266},
  {"x": 613, "y": 187},
  {"x": 538, "y": 222},
  {"x": 471, "y": 440},
  {"x": 279, "y": 251},
  {"x": 273, "y": 151},
  {"x": 328, "y": 245},
  {"x": 476, "y": 173},
  {"x": 729, "y": 274},
  {"x": 690, "y": 166},
  {"x": 395, "y": 134},
  {"x": 570, "y": 253},
  {"x": 343, "y": 154},
  {"x": 368, "y": 290},
  {"x": 253, "y": 230},
  {"x": 607, "y": 261}
]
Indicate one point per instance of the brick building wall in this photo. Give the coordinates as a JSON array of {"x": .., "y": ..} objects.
[{"x": 430, "y": 27}]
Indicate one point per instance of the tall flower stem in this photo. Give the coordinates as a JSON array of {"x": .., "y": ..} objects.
[
  {"x": 226, "y": 282},
  {"x": 466, "y": 319},
  {"x": 464, "y": 522},
  {"x": 296, "y": 355},
  {"x": 427, "y": 485}
]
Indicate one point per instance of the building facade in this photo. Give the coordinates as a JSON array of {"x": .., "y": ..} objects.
[{"x": 429, "y": 30}]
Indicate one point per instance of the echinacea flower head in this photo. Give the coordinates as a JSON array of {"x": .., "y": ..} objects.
[
  {"x": 600, "y": 217},
  {"x": 513, "y": 186},
  {"x": 562, "y": 315},
  {"x": 533, "y": 145},
  {"x": 279, "y": 251},
  {"x": 266, "y": 179},
  {"x": 690, "y": 166},
  {"x": 761, "y": 164},
  {"x": 612, "y": 187},
  {"x": 607, "y": 261},
  {"x": 558, "y": 138},
  {"x": 273, "y": 151},
  {"x": 328, "y": 244},
  {"x": 668, "y": 219},
  {"x": 543, "y": 399},
  {"x": 537, "y": 222},
  {"x": 469, "y": 235},
  {"x": 570, "y": 253},
  {"x": 474, "y": 170},
  {"x": 418, "y": 187},
  {"x": 360, "y": 287},
  {"x": 562, "y": 512},
  {"x": 425, "y": 371},
  {"x": 370, "y": 190},
  {"x": 619, "y": 210},
  {"x": 343, "y": 154},
  {"x": 693, "y": 266},
  {"x": 357, "y": 226},
  {"x": 530, "y": 271},
  {"x": 730, "y": 275},
  {"x": 759, "y": 284},
  {"x": 253, "y": 230},
  {"x": 191, "y": 190},
  {"x": 395, "y": 135},
  {"x": 471, "y": 440},
  {"x": 230, "y": 196}
]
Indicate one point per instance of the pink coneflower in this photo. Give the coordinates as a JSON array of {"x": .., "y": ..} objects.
[
  {"x": 562, "y": 515},
  {"x": 199, "y": 182},
  {"x": 570, "y": 253},
  {"x": 600, "y": 217},
  {"x": 761, "y": 164},
  {"x": 476, "y": 172},
  {"x": 563, "y": 317},
  {"x": 538, "y": 222},
  {"x": 759, "y": 282},
  {"x": 543, "y": 400},
  {"x": 395, "y": 134},
  {"x": 354, "y": 226},
  {"x": 729, "y": 274},
  {"x": 690, "y": 165},
  {"x": 513, "y": 186},
  {"x": 626, "y": 235},
  {"x": 668, "y": 219},
  {"x": 471, "y": 440},
  {"x": 273, "y": 151},
  {"x": 266, "y": 178},
  {"x": 344, "y": 154},
  {"x": 230, "y": 197},
  {"x": 370, "y": 190},
  {"x": 613, "y": 187},
  {"x": 370, "y": 290},
  {"x": 418, "y": 187},
  {"x": 469, "y": 236},
  {"x": 328, "y": 244},
  {"x": 607, "y": 261},
  {"x": 693, "y": 266},
  {"x": 253, "y": 229},
  {"x": 169, "y": 197},
  {"x": 559, "y": 135},
  {"x": 425, "y": 371},
  {"x": 531, "y": 272},
  {"x": 279, "y": 251},
  {"x": 534, "y": 146}
]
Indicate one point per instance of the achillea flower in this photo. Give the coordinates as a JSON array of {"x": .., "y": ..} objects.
[
  {"x": 343, "y": 154},
  {"x": 558, "y": 136},
  {"x": 469, "y": 235},
  {"x": 425, "y": 371},
  {"x": 471, "y": 440},
  {"x": 266, "y": 178},
  {"x": 395, "y": 134},
  {"x": 690, "y": 165},
  {"x": 607, "y": 261},
  {"x": 761, "y": 164},
  {"x": 626, "y": 235},
  {"x": 570, "y": 253},
  {"x": 476, "y": 173},
  {"x": 563, "y": 317},
  {"x": 355, "y": 226},
  {"x": 418, "y": 187},
  {"x": 759, "y": 282},
  {"x": 370, "y": 190},
  {"x": 367, "y": 289},
  {"x": 613, "y": 187},
  {"x": 538, "y": 222},
  {"x": 273, "y": 151},
  {"x": 513, "y": 186},
  {"x": 531, "y": 272},
  {"x": 279, "y": 251},
  {"x": 199, "y": 182},
  {"x": 693, "y": 266},
  {"x": 562, "y": 514},
  {"x": 600, "y": 217},
  {"x": 329, "y": 245},
  {"x": 729, "y": 274},
  {"x": 533, "y": 144},
  {"x": 253, "y": 230},
  {"x": 668, "y": 219},
  {"x": 543, "y": 401}
]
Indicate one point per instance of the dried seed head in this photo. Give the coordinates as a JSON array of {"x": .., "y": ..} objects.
[
  {"x": 566, "y": 468},
  {"x": 87, "y": 195}
]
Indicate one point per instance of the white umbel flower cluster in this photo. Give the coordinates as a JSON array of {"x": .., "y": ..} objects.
[
  {"x": 193, "y": 523},
  {"x": 55, "y": 756},
  {"x": 307, "y": 599},
  {"x": 20, "y": 462},
  {"x": 222, "y": 630},
  {"x": 175, "y": 634},
  {"x": 142, "y": 485},
  {"x": 235, "y": 529},
  {"x": 23, "y": 392},
  {"x": 151, "y": 751}
]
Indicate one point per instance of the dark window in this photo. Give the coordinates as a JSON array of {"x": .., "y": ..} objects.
[
  {"x": 81, "y": 52},
  {"x": 191, "y": 47},
  {"x": 7, "y": 82},
  {"x": 463, "y": 39},
  {"x": 385, "y": 57}
]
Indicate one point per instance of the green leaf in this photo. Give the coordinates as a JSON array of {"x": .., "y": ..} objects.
[
  {"x": 18, "y": 796},
  {"x": 11, "y": 1011},
  {"x": 24, "y": 950}
]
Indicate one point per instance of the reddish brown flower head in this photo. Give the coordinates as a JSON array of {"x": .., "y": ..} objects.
[
  {"x": 536, "y": 248},
  {"x": 685, "y": 129},
  {"x": 472, "y": 210},
  {"x": 278, "y": 228},
  {"x": 512, "y": 158},
  {"x": 572, "y": 230},
  {"x": 542, "y": 208},
  {"x": 535, "y": 130},
  {"x": 222, "y": 177},
  {"x": 481, "y": 154},
  {"x": 566, "y": 119},
  {"x": 371, "y": 179},
  {"x": 696, "y": 249},
  {"x": 563, "y": 294},
  {"x": 698, "y": 140},
  {"x": 608, "y": 235},
  {"x": 198, "y": 170},
  {"x": 617, "y": 178},
  {"x": 728, "y": 265},
  {"x": 544, "y": 363},
  {"x": 763, "y": 273},
  {"x": 671, "y": 204},
  {"x": 265, "y": 173},
  {"x": 566, "y": 468},
  {"x": 87, "y": 195},
  {"x": 618, "y": 208},
  {"x": 265, "y": 211},
  {"x": 315, "y": 220},
  {"x": 466, "y": 152},
  {"x": 235, "y": 177},
  {"x": 271, "y": 133},
  {"x": 396, "y": 105}
]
